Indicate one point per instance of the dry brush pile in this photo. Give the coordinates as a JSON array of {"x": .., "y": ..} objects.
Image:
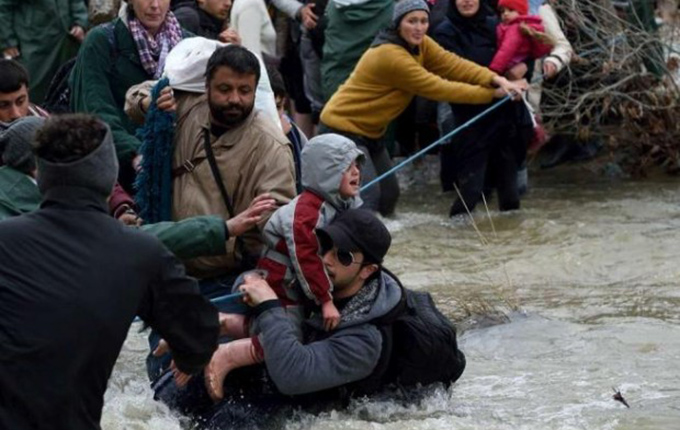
[{"x": 611, "y": 90}]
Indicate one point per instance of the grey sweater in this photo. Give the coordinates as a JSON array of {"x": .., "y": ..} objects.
[{"x": 349, "y": 354}]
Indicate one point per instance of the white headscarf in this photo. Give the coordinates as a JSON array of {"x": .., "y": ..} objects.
[{"x": 186, "y": 64}]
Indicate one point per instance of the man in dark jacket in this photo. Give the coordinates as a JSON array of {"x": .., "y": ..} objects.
[
  {"x": 20, "y": 119},
  {"x": 72, "y": 280},
  {"x": 366, "y": 352},
  {"x": 207, "y": 18},
  {"x": 353, "y": 247},
  {"x": 42, "y": 35}
]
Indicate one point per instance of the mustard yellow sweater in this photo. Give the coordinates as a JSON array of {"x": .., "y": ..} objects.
[{"x": 387, "y": 77}]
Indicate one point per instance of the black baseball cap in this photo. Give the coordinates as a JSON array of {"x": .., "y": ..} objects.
[{"x": 357, "y": 230}]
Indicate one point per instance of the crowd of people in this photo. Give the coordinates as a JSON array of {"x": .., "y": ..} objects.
[{"x": 207, "y": 138}]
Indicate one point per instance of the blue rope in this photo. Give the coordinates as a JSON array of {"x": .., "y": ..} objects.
[
  {"x": 441, "y": 140},
  {"x": 226, "y": 298},
  {"x": 216, "y": 301}
]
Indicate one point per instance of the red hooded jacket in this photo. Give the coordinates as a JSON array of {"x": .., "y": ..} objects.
[{"x": 514, "y": 46}]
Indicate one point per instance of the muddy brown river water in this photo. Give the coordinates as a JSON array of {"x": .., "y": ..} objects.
[{"x": 587, "y": 274}]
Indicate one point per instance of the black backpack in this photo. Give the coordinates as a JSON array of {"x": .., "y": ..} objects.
[
  {"x": 58, "y": 97},
  {"x": 424, "y": 345}
]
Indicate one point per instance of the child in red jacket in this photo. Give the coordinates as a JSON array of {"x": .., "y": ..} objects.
[{"x": 519, "y": 36}]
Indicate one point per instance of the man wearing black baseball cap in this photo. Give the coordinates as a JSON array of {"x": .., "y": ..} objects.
[
  {"x": 357, "y": 230},
  {"x": 387, "y": 334},
  {"x": 352, "y": 356}
]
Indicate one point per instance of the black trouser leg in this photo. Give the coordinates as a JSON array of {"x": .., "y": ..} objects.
[
  {"x": 504, "y": 164},
  {"x": 470, "y": 181},
  {"x": 371, "y": 195},
  {"x": 389, "y": 186}
]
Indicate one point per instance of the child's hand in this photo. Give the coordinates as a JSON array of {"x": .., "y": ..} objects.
[{"x": 331, "y": 316}]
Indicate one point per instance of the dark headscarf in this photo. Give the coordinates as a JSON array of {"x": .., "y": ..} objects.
[{"x": 477, "y": 33}]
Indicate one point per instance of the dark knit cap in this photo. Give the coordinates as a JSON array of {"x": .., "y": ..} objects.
[
  {"x": 96, "y": 171},
  {"x": 357, "y": 230},
  {"x": 402, "y": 7},
  {"x": 18, "y": 143}
]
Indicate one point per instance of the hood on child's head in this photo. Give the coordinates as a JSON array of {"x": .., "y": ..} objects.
[
  {"x": 519, "y": 6},
  {"x": 324, "y": 159}
]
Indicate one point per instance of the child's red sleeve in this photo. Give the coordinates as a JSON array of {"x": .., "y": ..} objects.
[
  {"x": 510, "y": 40},
  {"x": 304, "y": 251}
]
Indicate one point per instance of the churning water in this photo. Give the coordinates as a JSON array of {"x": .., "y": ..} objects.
[{"x": 587, "y": 274}]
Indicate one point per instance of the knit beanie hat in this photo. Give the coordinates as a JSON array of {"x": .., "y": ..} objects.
[
  {"x": 403, "y": 7},
  {"x": 97, "y": 171},
  {"x": 17, "y": 142},
  {"x": 519, "y": 6}
]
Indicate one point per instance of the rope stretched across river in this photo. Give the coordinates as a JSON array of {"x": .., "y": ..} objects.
[
  {"x": 435, "y": 143},
  {"x": 216, "y": 301}
]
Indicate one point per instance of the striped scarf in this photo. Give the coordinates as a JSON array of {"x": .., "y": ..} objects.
[{"x": 154, "y": 49}]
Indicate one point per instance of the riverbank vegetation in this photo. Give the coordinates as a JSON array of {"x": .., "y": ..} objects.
[{"x": 622, "y": 87}]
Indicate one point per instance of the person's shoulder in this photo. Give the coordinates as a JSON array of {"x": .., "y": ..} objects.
[
  {"x": 144, "y": 243},
  {"x": 308, "y": 200},
  {"x": 188, "y": 17},
  {"x": 384, "y": 58},
  {"x": 389, "y": 48},
  {"x": 445, "y": 29},
  {"x": 393, "y": 290},
  {"x": 428, "y": 43},
  {"x": 492, "y": 21},
  {"x": 10, "y": 227},
  {"x": 104, "y": 35},
  {"x": 240, "y": 6},
  {"x": 390, "y": 279},
  {"x": 430, "y": 47},
  {"x": 192, "y": 111},
  {"x": 105, "y": 30},
  {"x": 268, "y": 132},
  {"x": 9, "y": 175}
]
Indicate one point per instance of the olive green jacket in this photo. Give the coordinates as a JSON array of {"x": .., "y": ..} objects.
[
  {"x": 108, "y": 64},
  {"x": 40, "y": 29},
  {"x": 18, "y": 193},
  {"x": 101, "y": 76},
  {"x": 349, "y": 32},
  {"x": 189, "y": 238}
]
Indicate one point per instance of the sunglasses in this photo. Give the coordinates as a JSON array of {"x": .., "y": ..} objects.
[{"x": 346, "y": 258}]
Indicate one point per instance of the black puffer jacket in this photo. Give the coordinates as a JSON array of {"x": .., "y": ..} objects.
[{"x": 72, "y": 280}]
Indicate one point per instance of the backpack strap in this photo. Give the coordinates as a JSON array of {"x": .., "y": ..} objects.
[
  {"x": 247, "y": 261},
  {"x": 210, "y": 156},
  {"x": 399, "y": 309}
]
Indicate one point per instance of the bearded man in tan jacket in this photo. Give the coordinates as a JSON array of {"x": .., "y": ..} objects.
[{"x": 252, "y": 159}]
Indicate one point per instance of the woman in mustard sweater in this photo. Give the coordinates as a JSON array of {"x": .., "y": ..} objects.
[{"x": 401, "y": 63}]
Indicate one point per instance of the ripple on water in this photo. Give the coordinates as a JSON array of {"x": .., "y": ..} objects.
[{"x": 593, "y": 265}]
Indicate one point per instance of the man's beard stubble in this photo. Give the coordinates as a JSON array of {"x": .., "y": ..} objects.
[{"x": 231, "y": 119}]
